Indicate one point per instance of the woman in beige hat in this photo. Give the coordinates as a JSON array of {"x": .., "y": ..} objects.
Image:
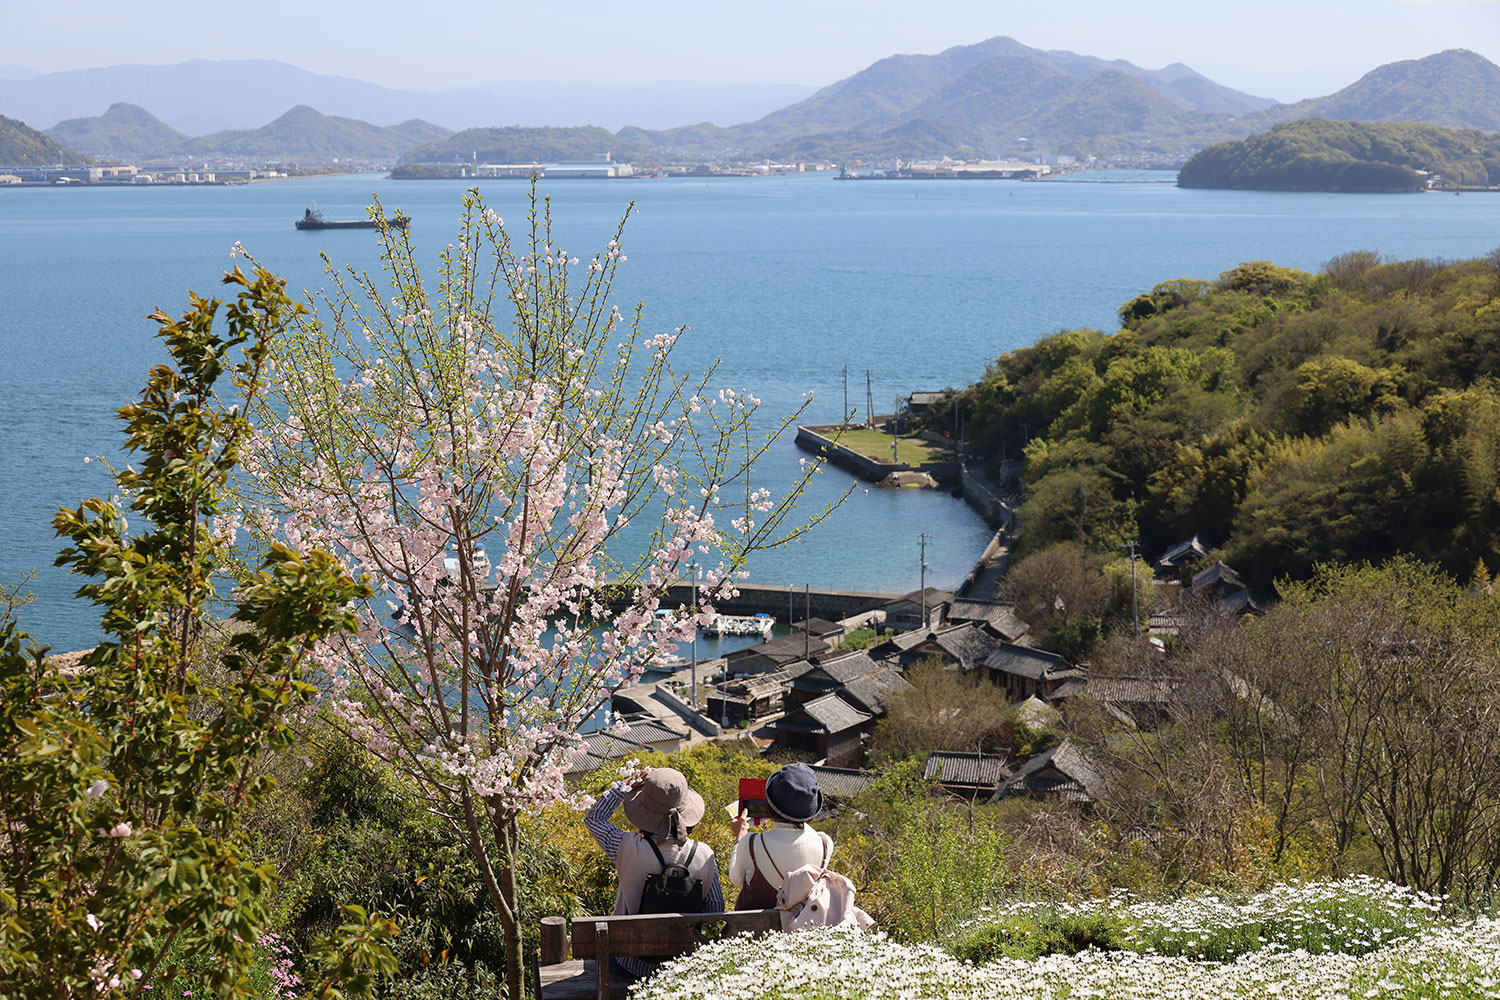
[{"x": 662, "y": 806}]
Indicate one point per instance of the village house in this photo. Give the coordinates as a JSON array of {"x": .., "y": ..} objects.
[
  {"x": 918, "y": 609},
  {"x": 999, "y": 618},
  {"x": 829, "y": 728},
  {"x": 642, "y": 733},
  {"x": 1023, "y": 671},
  {"x": 773, "y": 654},
  {"x": 1064, "y": 773},
  {"x": 969, "y": 775},
  {"x": 1222, "y": 586},
  {"x": 1181, "y": 558}
]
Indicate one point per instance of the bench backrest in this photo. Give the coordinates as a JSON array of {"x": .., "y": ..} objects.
[{"x": 664, "y": 935}]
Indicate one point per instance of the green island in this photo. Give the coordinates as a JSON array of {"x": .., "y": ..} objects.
[{"x": 1315, "y": 154}]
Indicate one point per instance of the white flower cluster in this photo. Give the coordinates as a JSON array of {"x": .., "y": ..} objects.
[
  {"x": 1352, "y": 915},
  {"x": 1442, "y": 961}
]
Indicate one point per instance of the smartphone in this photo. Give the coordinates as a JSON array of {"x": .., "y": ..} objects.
[{"x": 753, "y": 799}]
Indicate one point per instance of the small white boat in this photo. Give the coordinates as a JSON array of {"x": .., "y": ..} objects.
[{"x": 741, "y": 625}]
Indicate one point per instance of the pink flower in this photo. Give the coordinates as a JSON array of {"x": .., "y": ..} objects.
[
  {"x": 120, "y": 830},
  {"x": 97, "y": 789}
]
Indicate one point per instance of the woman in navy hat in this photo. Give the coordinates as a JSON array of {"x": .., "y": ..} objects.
[{"x": 762, "y": 861}]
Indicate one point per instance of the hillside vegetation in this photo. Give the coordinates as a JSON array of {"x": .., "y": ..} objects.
[
  {"x": 1319, "y": 155},
  {"x": 126, "y": 132},
  {"x": 23, "y": 146},
  {"x": 1293, "y": 418},
  {"x": 526, "y": 145}
]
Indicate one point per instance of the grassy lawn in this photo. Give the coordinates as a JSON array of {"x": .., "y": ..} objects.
[{"x": 877, "y": 445}]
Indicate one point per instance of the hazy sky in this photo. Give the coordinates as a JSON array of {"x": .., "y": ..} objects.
[{"x": 1285, "y": 49}]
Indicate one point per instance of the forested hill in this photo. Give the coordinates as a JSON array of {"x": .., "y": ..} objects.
[
  {"x": 23, "y": 146},
  {"x": 1319, "y": 155},
  {"x": 1290, "y": 417}
]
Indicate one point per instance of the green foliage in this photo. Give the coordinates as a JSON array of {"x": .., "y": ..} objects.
[
  {"x": 1292, "y": 417},
  {"x": 366, "y": 840},
  {"x": 1318, "y": 155},
  {"x": 942, "y": 710},
  {"x": 921, "y": 862},
  {"x": 123, "y": 783},
  {"x": 23, "y": 146},
  {"x": 125, "y": 131},
  {"x": 860, "y": 638}
]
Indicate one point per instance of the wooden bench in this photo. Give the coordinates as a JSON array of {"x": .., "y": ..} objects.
[{"x": 653, "y": 935}]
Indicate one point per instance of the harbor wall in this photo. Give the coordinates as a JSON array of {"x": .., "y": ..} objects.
[
  {"x": 863, "y": 466},
  {"x": 982, "y": 494},
  {"x": 777, "y": 599}
]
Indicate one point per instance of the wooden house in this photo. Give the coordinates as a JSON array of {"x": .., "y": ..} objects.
[
  {"x": 1064, "y": 773},
  {"x": 773, "y": 654},
  {"x": 1023, "y": 671},
  {"x": 999, "y": 618},
  {"x": 967, "y": 774},
  {"x": 828, "y": 728}
]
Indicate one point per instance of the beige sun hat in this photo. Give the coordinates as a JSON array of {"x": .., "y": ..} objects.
[{"x": 663, "y": 805}]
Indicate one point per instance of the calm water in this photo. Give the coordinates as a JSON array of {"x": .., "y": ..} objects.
[{"x": 786, "y": 279}]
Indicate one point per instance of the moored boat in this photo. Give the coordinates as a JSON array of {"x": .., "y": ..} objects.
[{"x": 313, "y": 219}]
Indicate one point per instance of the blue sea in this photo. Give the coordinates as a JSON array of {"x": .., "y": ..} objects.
[{"x": 787, "y": 280}]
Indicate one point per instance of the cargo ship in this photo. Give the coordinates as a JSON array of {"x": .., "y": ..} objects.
[{"x": 313, "y": 219}]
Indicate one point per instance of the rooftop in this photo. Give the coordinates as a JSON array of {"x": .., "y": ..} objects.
[{"x": 981, "y": 770}]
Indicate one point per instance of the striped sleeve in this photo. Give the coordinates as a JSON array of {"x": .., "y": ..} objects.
[{"x": 597, "y": 822}]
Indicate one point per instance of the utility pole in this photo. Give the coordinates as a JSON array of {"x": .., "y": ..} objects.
[
  {"x": 694, "y": 567},
  {"x": 869, "y": 401},
  {"x": 806, "y": 621},
  {"x": 1134, "y": 614},
  {"x": 844, "y": 422},
  {"x": 922, "y": 540}
]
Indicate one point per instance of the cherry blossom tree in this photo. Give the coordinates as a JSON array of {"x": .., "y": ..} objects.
[{"x": 477, "y": 451}]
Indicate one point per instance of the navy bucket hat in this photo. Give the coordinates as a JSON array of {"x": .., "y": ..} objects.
[{"x": 793, "y": 793}]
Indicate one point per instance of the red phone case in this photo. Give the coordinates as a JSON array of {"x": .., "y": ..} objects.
[{"x": 753, "y": 798}]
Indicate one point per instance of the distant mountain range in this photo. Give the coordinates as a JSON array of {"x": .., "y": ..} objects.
[
  {"x": 303, "y": 135},
  {"x": 997, "y": 98},
  {"x": 1003, "y": 98},
  {"x": 204, "y": 96}
]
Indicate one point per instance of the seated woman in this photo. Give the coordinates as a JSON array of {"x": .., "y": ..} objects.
[
  {"x": 662, "y": 806},
  {"x": 762, "y": 861}
]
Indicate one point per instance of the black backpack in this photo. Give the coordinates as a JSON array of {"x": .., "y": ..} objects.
[{"x": 673, "y": 889}]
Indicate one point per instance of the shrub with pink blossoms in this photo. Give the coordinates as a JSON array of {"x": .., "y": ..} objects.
[{"x": 476, "y": 450}]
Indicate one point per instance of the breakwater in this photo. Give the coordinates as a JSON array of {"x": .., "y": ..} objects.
[
  {"x": 817, "y": 440},
  {"x": 785, "y": 600}
]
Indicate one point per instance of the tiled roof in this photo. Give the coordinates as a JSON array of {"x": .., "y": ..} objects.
[
  {"x": 1183, "y": 551},
  {"x": 783, "y": 648},
  {"x": 842, "y": 782},
  {"x": 872, "y": 691},
  {"x": 1002, "y": 618},
  {"x": 767, "y": 685},
  {"x": 1023, "y": 661},
  {"x": 1063, "y": 770},
  {"x": 952, "y": 768},
  {"x": 970, "y": 644},
  {"x": 819, "y": 627},
  {"x": 600, "y": 749},
  {"x": 847, "y": 666},
  {"x": 1135, "y": 690},
  {"x": 828, "y": 714},
  {"x": 1218, "y": 573}
]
